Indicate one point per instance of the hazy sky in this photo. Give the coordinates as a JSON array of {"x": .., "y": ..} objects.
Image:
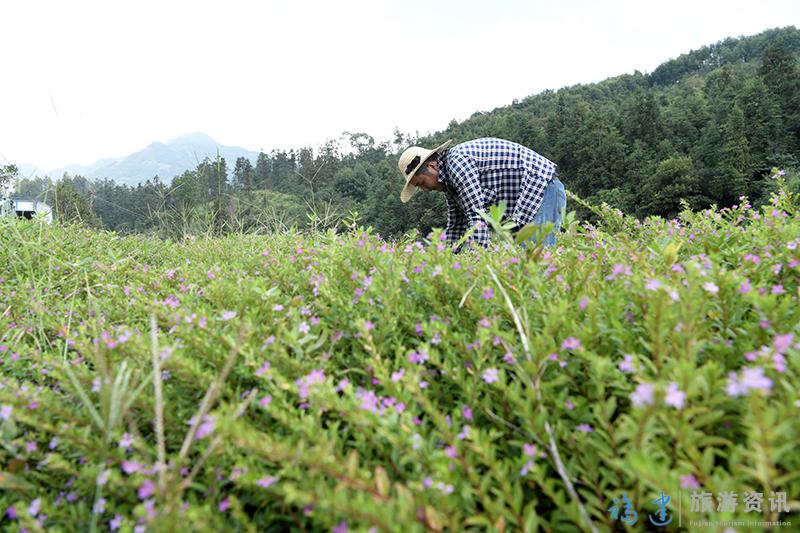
[{"x": 84, "y": 79}]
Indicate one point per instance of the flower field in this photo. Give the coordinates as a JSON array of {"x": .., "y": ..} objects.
[{"x": 339, "y": 381}]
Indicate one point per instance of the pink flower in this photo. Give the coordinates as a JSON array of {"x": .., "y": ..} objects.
[
  {"x": 583, "y": 303},
  {"x": 529, "y": 449},
  {"x": 643, "y": 395},
  {"x": 466, "y": 411},
  {"x": 674, "y": 397},
  {"x": 266, "y": 482},
  {"x": 224, "y": 505},
  {"x": 227, "y": 315},
  {"x": 265, "y": 401},
  {"x": 689, "y": 482},
  {"x": 451, "y": 452},
  {"x": 488, "y": 293}
]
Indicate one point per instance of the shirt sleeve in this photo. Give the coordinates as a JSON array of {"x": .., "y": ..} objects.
[
  {"x": 531, "y": 194},
  {"x": 465, "y": 179}
]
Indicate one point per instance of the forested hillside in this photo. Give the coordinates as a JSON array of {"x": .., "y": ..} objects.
[{"x": 705, "y": 127}]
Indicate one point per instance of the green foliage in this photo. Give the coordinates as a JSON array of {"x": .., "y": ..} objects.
[
  {"x": 71, "y": 207},
  {"x": 301, "y": 381},
  {"x": 7, "y": 174}
]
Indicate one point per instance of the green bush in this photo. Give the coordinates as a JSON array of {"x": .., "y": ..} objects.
[{"x": 335, "y": 380}]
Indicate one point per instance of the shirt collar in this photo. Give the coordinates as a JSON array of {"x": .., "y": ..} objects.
[{"x": 441, "y": 160}]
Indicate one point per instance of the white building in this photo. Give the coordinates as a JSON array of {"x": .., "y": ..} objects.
[{"x": 26, "y": 209}]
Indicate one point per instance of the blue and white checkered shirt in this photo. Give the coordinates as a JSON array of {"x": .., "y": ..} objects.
[{"x": 478, "y": 174}]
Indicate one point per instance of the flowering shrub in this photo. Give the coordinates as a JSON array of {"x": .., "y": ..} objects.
[{"x": 339, "y": 381}]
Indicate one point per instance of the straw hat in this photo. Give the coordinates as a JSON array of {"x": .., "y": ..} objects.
[{"x": 410, "y": 162}]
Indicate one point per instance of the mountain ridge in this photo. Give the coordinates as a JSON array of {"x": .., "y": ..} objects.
[{"x": 163, "y": 159}]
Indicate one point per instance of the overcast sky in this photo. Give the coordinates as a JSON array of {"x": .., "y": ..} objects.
[{"x": 84, "y": 79}]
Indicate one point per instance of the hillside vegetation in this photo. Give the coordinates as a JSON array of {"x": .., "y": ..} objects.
[{"x": 705, "y": 127}]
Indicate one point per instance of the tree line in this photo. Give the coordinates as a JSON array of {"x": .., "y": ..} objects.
[{"x": 705, "y": 128}]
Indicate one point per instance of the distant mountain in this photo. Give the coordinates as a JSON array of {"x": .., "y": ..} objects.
[{"x": 165, "y": 160}]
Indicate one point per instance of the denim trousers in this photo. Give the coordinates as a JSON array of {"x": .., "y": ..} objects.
[{"x": 555, "y": 201}]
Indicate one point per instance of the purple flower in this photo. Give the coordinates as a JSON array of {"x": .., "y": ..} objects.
[
  {"x": 754, "y": 378},
  {"x": 745, "y": 287},
  {"x": 586, "y": 428},
  {"x": 99, "y": 506},
  {"x": 265, "y": 401},
  {"x": 571, "y": 343},
  {"x": 466, "y": 411},
  {"x": 146, "y": 489},
  {"x": 130, "y": 467},
  {"x": 583, "y": 303},
  {"x": 206, "y": 428},
  {"x": 490, "y": 375},
  {"x": 734, "y": 387},
  {"x": 224, "y": 505},
  {"x": 5, "y": 412},
  {"x": 126, "y": 442},
  {"x": 102, "y": 478},
  {"x": 227, "y": 315},
  {"x": 674, "y": 397},
  {"x": 652, "y": 284},
  {"x": 304, "y": 327},
  {"x": 643, "y": 395},
  {"x": 34, "y": 507},
  {"x": 626, "y": 365},
  {"x": 451, "y": 452},
  {"x": 569, "y": 405},
  {"x": 115, "y": 523},
  {"x": 710, "y": 287},
  {"x": 488, "y": 293},
  {"x": 689, "y": 482},
  {"x": 263, "y": 370},
  {"x": 341, "y": 527},
  {"x": 529, "y": 449},
  {"x": 526, "y": 468}
]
